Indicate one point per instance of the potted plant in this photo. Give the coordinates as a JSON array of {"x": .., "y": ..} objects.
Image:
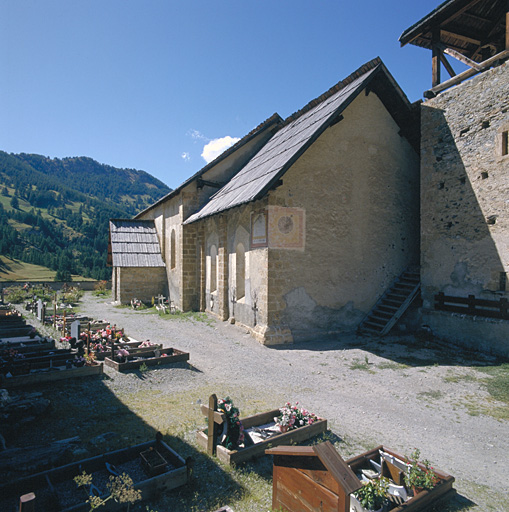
[
  {"x": 420, "y": 474},
  {"x": 373, "y": 494}
]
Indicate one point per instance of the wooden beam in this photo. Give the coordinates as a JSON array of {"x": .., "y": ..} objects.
[
  {"x": 435, "y": 59},
  {"x": 219, "y": 417},
  {"x": 461, "y": 37},
  {"x": 211, "y": 427},
  {"x": 447, "y": 65},
  {"x": 466, "y": 74},
  {"x": 459, "y": 12},
  {"x": 459, "y": 56},
  {"x": 507, "y": 27}
]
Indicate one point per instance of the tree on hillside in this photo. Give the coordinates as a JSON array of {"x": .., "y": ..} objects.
[
  {"x": 15, "y": 202},
  {"x": 5, "y": 192}
]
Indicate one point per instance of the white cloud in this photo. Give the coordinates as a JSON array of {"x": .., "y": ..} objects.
[
  {"x": 185, "y": 156},
  {"x": 195, "y": 134},
  {"x": 216, "y": 146}
]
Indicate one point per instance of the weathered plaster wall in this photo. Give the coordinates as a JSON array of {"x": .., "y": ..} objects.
[
  {"x": 358, "y": 185},
  {"x": 224, "y": 233},
  {"x": 465, "y": 194},
  {"x": 141, "y": 283}
]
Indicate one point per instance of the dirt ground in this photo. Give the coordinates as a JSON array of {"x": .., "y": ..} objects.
[{"x": 398, "y": 391}]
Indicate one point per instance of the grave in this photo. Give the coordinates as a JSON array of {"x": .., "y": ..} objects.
[
  {"x": 260, "y": 429},
  {"x": 55, "y": 489},
  {"x": 149, "y": 357},
  {"x": 309, "y": 478}
]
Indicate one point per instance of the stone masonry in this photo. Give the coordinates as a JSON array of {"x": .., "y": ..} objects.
[{"x": 465, "y": 202}]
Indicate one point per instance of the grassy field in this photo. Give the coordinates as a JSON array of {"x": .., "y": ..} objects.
[{"x": 16, "y": 270}]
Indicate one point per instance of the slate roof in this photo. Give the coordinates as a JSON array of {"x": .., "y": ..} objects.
[
  {"x": 298, "y": 132},
  {"x": 134, "y": 243},
  {"x": 274, "y": 119}
]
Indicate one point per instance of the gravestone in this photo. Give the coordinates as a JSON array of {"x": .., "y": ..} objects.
[
  {"x": 75, "y": 329},
  {"x": 40, "y": 310}
]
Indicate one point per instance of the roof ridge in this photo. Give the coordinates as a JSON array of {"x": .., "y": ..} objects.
[{"x": 368, "y": 66}]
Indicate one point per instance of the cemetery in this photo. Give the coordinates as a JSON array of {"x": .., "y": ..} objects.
[
  {"x": 299, "y": 456},
  {"x": 56, "y": 489},
  {"x": 31, "y": 360}
]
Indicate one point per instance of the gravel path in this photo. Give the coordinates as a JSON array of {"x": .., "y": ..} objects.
[{"x": 397, "y": 392}]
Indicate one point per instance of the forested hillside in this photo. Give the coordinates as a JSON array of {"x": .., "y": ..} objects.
[{"x": 55, "y": 212}]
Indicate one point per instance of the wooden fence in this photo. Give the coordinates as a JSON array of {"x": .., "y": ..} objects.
[{"x": 472, "y": 306}]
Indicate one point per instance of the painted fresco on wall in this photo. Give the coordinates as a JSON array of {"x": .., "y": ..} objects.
[{"x": 286, "y": 228}]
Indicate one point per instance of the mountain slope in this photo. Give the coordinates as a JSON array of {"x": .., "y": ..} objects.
[{"x": 55, "y": 212}]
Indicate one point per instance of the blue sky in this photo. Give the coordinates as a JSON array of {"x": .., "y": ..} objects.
[{"x": 148, "y": 84}]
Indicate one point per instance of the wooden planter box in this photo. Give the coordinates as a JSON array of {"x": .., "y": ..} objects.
[
  {"x": 55, "y": 489},
  {"x": 26, "y": 344},
  {"x": 422, "y": 501},
  {"x": 310, "y": 478},
  {"x": 34, "y": 378},
  {"x": 251, "y": 452},
  {"x": 135, "y": 361},
  {"x": 132, "y": 346},
  {"x": 153, "y": 461}
]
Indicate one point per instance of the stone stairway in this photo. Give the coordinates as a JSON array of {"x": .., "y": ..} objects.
[{"x": 393, "y": 303}]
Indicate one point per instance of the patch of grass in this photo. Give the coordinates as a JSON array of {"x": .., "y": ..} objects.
[
  {"x": 16, "y": 270},
  {"x": 357, "y": 364},
  {"x": 498, "y": 383},
  {"x": 391, "y": 365},
  {"x": 431, "y": 395},
  {"x": 455, "y": 378}
]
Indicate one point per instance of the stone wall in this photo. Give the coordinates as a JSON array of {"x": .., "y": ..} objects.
[
  {"x": 464, "y": 197},
  {"x": 141, "y": 283}
]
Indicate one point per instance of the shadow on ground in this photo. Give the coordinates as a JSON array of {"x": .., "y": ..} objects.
[{"x": 411, "y": 350}]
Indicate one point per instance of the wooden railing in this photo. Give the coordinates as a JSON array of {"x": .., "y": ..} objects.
[{"x": 472, "y": 306}]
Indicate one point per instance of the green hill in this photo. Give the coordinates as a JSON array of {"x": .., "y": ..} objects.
[{"x": 55, "y": 212}]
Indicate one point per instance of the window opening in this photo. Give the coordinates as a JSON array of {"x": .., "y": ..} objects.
[
  {"x": 213, "y": 269},
  {"x": 240, "y": 271},
  {"x": 172, "y": 250}
]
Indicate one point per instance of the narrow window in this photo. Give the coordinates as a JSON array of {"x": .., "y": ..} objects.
[
  {"x": 240, "y": 271},
  {"x": 505, "y": 143},
  {"x": 172, "y": 249},
  {"x": 213, "y": 269}
]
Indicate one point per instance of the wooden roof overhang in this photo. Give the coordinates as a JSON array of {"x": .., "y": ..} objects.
[{"x": 475, "y": 32}]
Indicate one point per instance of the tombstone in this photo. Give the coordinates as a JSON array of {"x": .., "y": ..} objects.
[
  {"x": 40, "y": 308},
  {"x": 75, "y": 329}
]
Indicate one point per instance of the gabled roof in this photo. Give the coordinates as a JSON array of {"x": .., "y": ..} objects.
[
  {"x": 134, "y": 243},
  {"x": 298, "y": 132},
  {"x": 273, "y": 120},
  {"x": 466, "y": 26}
]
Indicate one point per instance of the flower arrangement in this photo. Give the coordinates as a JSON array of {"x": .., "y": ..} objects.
[
  {"x": 145, "y": 344},
  {"x": 235, "y": 431},
  {"x": 89, "y": 359},
  {"x": 373, "y": 494},
  {"x": 122, "y": 352},
  {"x": 420, "y": 474},
  {"x": 98, "y": 347},
  {"x": 291, "y": 417},
  {"x": 79, "y": 361}
]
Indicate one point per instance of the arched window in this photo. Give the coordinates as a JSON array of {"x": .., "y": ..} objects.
[
  {"x": 172, "y": 249},
  {"x": 213, "y": 269},
  {"x": 240, "y": 271}
]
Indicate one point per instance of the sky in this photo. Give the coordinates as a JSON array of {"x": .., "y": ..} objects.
[{"x": 164, "y": 85}]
